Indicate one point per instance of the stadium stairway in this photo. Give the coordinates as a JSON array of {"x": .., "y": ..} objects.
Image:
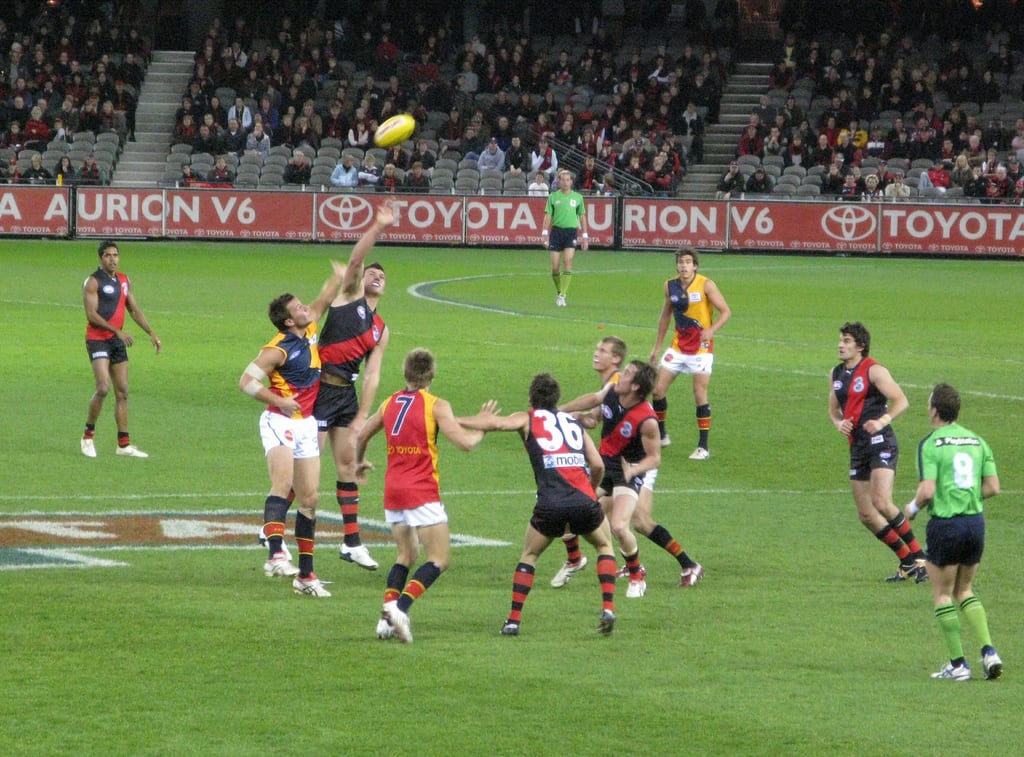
[
  {"x": 142, "y": 162},
  {"x": 742, "y": 92}
]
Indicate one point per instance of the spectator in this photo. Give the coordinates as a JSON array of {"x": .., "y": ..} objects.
[
  {"x": 189, "y": 176},
  {"x": 962, "y": 175},
  {"x": 544, "y": 160},
  {"x": 872, "y": 192},
  {"x": 65, "y": 172},
  {"x": 540, "y": 186},
  {"x": 759, "y": 182},
  {"x": 298, "y": 169},
  {"x": 397, "y": 155},
  {"x": 359, "y": 134},
  {"x": 125, "y": 103},
  {"x": 423, "y": 155},
  {"x": 258, "y": 142},
  {"x": 389, "y": 181},
  {"x": 242, "y": 113},
  {"x": 938, "y": 176},
  {"x": 416, "y": 179},
  {"x": 369, "y": 173},
  {"x": 90, "y": 173},
  {"x": 731, "y": 182},
  {"x": 662, "y": 176},
  {"x": 205, "y": 141},
  {"x": 234, "y": 139},
  {"x": 592, "y": 176},
  {"x": 517, "y": 159},
  {"x": 832, "y": 182},
  {"x": 850, "y": 191},
  {"x": 823, "y": 153},
  {"x": 303, "y": 135},
  {"x": 795, "y": 153},
  {"x": 774, "y": 143},
  {"x": 998, "y": 187},
  {"x": 345, "y": 174},
  {"x": 36, "y": 132},
  {"x": 37, "y": 174},
  {"x": 221, "y": 173},
  {"x": 897, "y": 190},
  {"x": 750, "y": 142},
  {"x": 492, "y": 157}
]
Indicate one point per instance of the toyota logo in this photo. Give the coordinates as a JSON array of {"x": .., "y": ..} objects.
[
  {"x": 346, "y": 212},
  {"x": 848, "y": 223}
]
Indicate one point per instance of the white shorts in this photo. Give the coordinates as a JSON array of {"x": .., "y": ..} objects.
[
  {"x": 430, "y": 514},
  {"x": 649, "y": 478},
  {"x": 677, "y": 362},
  {"x": 297, "y": 434}
]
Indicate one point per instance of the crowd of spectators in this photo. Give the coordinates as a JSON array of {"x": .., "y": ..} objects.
[
  {"x": 490, "y": 99},
  {"x": 66, "y": 81},
  {"x": 921, "y": 118}
]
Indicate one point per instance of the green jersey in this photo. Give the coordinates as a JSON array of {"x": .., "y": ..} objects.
[
  {"x": 956, "y": 460},
  {"x": 565, "y": 209}
]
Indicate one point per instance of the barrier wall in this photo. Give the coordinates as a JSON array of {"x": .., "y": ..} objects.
[{"x": 495, "y": 220}]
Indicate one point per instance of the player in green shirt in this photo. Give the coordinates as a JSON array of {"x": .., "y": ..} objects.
[
  {"x": 564, "y": 215},
  {"x": 957, "y": 472}
]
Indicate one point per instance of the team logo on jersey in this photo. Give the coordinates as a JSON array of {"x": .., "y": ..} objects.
[
  {"x": 858, "y": 384},
  {"x": 376, "y": 334},
  {"x": 837, "y": 385},
  {"x": 108, "y": 289},
  {"x": 606, "y": 411},
  {"x": 694, "y": 296},
  {"x": 361, "y": 311},
  {"x": 627, "y": 430}
]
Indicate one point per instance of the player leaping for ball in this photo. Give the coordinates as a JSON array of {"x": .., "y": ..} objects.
[{"x": 353, "y": 333}]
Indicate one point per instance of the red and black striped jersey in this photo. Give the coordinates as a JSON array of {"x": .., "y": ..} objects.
[
  {"x": 859, "y": 399},
  {"x": 556, "y": 450},
  {"x": 350, "y": 333},
  {"x": 112, "y": 298},
  {"x": 620, "y": 434}
]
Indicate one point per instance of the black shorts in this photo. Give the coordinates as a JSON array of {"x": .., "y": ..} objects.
[
  {"x": 956, "y": 541},
  {"x": 613, "y": 477},
  {"x": 112, "y": 349},
  {"x": 865, "y": 458},
  {"x": 562, "y": 239},
  {"x": 553, "y": 521},
  {"x": 335, "y": 406}
]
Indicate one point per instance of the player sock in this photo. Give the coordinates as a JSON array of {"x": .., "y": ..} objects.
[
  {"x": 90, "y": 431},
  {"x": 660, "y": 536},
  {"x": 703, "y": 424},
  {"x": 606, "y": 575},
  {"x": 275, "y": 510},
  {"x": 892, "y": 540},
  {"x": 977, "y": 619},
  {"x": 397, "y": 577},
  {"x": 305, "y": 536},
  {"x": 522, "y": 582},
  {"x": 566, "y": 281},
  {"x": 633, "y": 565},
  {"x": 348, "y": 500},
  {"x": 902, "y": 526},
  {"x": 557, "y": 278},
  {"x": 421, "y": 580},
  {"x": 660, "y": 412},
  {"x": 949, "y": 625},
  {"x": 572, "y": 548},
  {"x": 123, "y": 439}
]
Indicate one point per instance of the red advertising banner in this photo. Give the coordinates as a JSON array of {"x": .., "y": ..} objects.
[
  {"x": 418, "y": 218},
  {"x": 194, "y": 214},
  {"x": 34, "y": 210},
  {"x": 671, "y": 223},
  {"x": 900, "y": 227},
  {"x": 946, "y": 228},
  {"x": 953, "y": 229},
  {"x": 839, "y": 226},
  {"x": 518, "y": 220}
]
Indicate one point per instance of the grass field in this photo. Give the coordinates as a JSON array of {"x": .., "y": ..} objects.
[{"x": 792, "y": 644}]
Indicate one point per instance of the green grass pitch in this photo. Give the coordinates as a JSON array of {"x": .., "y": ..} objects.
[{"x": 792, "y": 644}]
